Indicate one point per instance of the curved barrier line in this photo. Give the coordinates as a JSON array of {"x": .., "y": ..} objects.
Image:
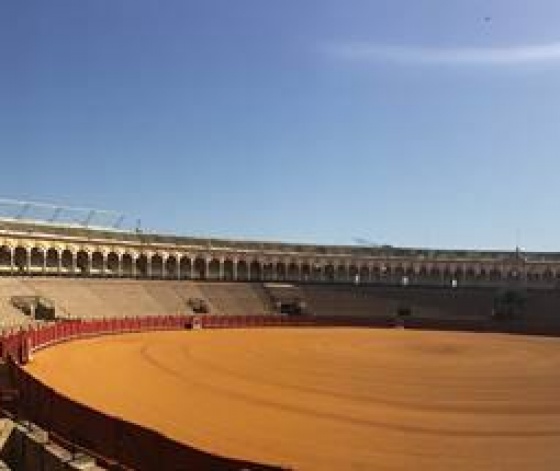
[{"x": 121, "y": 445}]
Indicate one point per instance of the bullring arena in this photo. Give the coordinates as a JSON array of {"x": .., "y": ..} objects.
[
  {"x": 124, "y": 350},
  {"x": 325, "y": 398}
]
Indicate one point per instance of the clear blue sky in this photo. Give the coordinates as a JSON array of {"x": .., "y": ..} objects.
[{"x": 416, "y": 123}]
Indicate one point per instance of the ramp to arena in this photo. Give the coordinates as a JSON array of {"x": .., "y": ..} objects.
[{"x": 335, "y": 398}]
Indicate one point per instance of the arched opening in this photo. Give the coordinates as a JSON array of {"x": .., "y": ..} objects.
[
  {"x": 52, "y": 260},
  {"x": 329, "y": 273},
  {"x": 305, "y": 272},
  {"x": 513, "y": 274},
  {"x": 142, "y": 266},
  {"x": 376, "y": 273},
  {"x": 495, "y": 275},
  {"x": 21, "y": 259},
  {"x": 316, "y": 272},
  {"x": 83, "y": 262},
  {"x": 341, "y": 273},
  {"x": 127, "y": 265},
  {"x": 386, "y": 273},
  {"x": 156, "y": 266},
  {"x": 97, "y": 263},
  {"x": 255, "y": 270},
  {"x": 37, "y": 260},
  {"x": 67, "y": 261},
  {"x": 354, "y": 274},
  {"x": 185, "y": 266},
  {"x": 228, "y": 270},
  {"x": 547, "y": 276},
  {"x": 398, "y": 274},
  {"x": 200, "y": 268},
  {"x": 242, "y": 270},
  {"x": 214, "y": 269},
  {"x": 280, "y": 271},
  {"x": 112, "y": 264},
  {"x": 422, "y": 274},
  {"x": 5, "y": 258},
  {"x": 293, "y": 272},
  {"x": 448, "y": 276},
  {"x": 435, "y": 274},
  {"x": 268, "y": 271},
  {"x": 171, "y": 267},
  {"x": 364, "y": 274},
  {"x": 453, "y": 276},
  {"x": 407, "y": 276}
]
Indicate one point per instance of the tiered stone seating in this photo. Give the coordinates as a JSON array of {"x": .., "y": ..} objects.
[
  {"x": 72, "y": 297},
  {"x": 171, "y": 296},
  {"x": 10, "y": 316},
  {"x": 127, "y": 297},
  {"x": 383, "y": 301},
  {"x": 89, "y": 298},
  {"x": 237, "y": 298},
  {"x": 188, "y": 290},
  {"x": 346, "y": 301},
  {"x": 462, "y": 303},
  {"x": 285, "y": 292}
]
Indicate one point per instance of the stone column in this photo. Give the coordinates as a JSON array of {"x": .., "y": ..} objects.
[
  {"x": 134, "y": 260},
  {"x": 148, "y": 267}
]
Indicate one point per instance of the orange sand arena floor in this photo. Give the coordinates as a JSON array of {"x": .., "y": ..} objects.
[{"x": 329, "y": 398}]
